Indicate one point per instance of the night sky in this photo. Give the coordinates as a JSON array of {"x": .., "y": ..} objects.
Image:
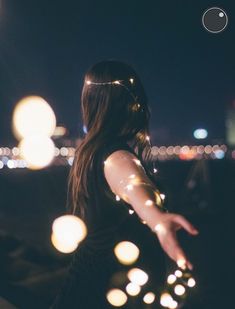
[{"x": 188, "y": 73}]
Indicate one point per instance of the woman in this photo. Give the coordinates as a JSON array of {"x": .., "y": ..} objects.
[{"x": 108, "y": 178}]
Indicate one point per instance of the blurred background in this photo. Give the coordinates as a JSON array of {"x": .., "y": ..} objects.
[{"x": 188, "y": 73}]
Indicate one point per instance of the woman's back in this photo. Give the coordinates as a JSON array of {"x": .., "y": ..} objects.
[{"x": 93, "y": 263}]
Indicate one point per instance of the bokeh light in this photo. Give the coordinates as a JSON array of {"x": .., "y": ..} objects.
[
  {"x": 200, "y": 133},
  {"x": 166, "y": 299},
  {"x": 116, "y": 297},
  {"x": 67, "y": 232},
  {"x": 137, "y": 276},
  {"x": 191, "y": 282},
  {"x": 37, "y": 151},
  {"x": 171, "y": 279},
  {"x": 64, "y": 245},
  {"x": 173, "y": 304},
  {"x": 178, "y": 273},
  {"x": 126, "y": 252},
  {"x": 33, "y": 116},
  {"x": 179, "y": 289},
  {"x": 219, "y": 154},
  {"x": 149, "y": 298},
  {"x": 133, "y": 289}
]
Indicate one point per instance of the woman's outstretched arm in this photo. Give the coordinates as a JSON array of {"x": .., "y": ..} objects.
[{"x": 128, "y": 179}]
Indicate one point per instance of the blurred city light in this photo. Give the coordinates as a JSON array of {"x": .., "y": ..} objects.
[
  {"x": 59, "y": 131},
  {"x": 200, "y": 133}
]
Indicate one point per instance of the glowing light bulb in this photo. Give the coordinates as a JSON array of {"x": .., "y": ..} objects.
[
  {"x": 155, "y": 170},
  {"x": 116, "y": 82},
  {"x": 178, "y": 273},
  {"x": 63, "y": 246},
  {"x": 33, "y": 116},
  {"x": 37, "y": 151},
  {"x": 149, "y": 298},
  {"x": 162, "y": 196},
  {"x": 179, "y": 289},
  {"x": 117, "y": 198},
  {"x": 67, "y": 232},
  {"x": 147, "y": 138},
  {"x": 88, "y": 82},
  {"x": 126, "y": 252},
  {"x": 191, "y": 282},
  {"x": 181, "y": 263},
  {"x": 131, "y": 80},
  {"x": 171, "y": 279},
  {"x": 166, "y": 299},
  {"x": 133, "y": 289},
  {"x": 160, "y": 228},
  {"x": 148, "y": 203},
  {"x": 129, "y": 187},
  {"x": 173, "y": 304},
  {"x": 116, "y": 297},
  {"x": 137, "y": 276}
]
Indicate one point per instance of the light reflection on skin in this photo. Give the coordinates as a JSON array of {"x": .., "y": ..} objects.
[
  {"x": 133, "y": 182},
  {"x": 135, "y": 188},
  {"x": 159, "y": 228}
]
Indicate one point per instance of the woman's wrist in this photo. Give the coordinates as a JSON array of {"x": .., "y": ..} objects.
[{"x": 157, "y": 219}]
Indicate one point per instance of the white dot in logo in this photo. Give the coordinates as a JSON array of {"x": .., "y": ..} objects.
[{"x": 214, "y": 20}]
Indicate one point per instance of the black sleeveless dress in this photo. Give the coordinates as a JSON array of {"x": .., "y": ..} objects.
[{"x": 94, "y": 262}]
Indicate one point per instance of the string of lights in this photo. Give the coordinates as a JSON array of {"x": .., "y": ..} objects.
[
  {"x": 132, "y": 284},
  {"x": 115, "y": 82}
]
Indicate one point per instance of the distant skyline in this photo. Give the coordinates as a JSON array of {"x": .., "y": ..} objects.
[{"x": 188, "y": 73}]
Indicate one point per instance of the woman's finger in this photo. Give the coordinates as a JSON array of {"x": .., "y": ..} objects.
[
  {"x": 186, "y": 225},
  {"x": 179, "y": 255}
]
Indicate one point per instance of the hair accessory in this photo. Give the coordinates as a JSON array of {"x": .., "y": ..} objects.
[{"x": 115, "y": 82}]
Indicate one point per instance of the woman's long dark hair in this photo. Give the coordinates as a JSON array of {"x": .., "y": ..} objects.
[{"x": 109, "y": 112}]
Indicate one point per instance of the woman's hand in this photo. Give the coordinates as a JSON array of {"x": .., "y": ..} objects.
[{"x": 168, "y": 225}]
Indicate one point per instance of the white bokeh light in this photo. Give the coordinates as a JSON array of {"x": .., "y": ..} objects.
[
  {"x": 126, "y": 252},
  {"x": 200, "y": 133},
  {"x": 37, "y": 151},
  {"x": 33, "y": 116},
  {"x": 133, "y": 289},
  {"x": 116, "y": 297},
  {"x": 137, "y": 276},
  {"x": 149, "y": 298},
  {"x": 67, "y": 232}
]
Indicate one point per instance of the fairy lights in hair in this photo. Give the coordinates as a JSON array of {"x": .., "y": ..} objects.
[{"x": 116, "y": 82}]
